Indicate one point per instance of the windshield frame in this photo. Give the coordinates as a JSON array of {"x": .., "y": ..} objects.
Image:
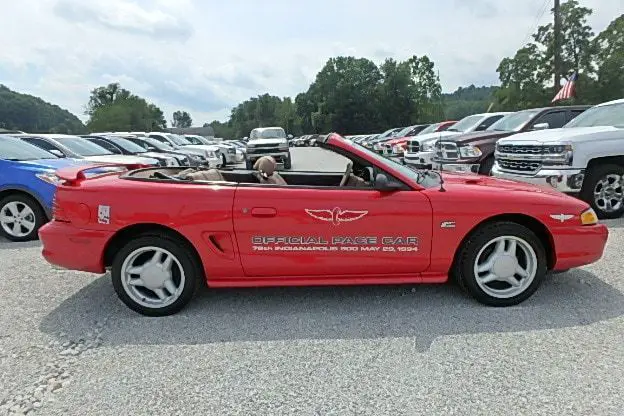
[{"x": 598, "y": 109}]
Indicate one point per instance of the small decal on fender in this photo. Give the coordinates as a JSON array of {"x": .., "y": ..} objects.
[
  {"x": 561, "y": 217},
  {"x": 447, "y": 224},
  {"x": 104, "y": 214}
]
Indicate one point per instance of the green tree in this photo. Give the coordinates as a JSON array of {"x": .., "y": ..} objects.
[
  {"x": 427, "y": 91},
  {"x": 609, "y": 62},
  {"x": 114, "y": 108},
  {"x": 181, "y": 119},
  {"x": 396, "y": 93},
  {"x": 32, "y": 114}
]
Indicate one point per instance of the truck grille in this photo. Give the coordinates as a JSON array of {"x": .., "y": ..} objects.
[
  {"x": 447, "y": 151},
  {"x": 523, "y": 166},
  {"x": 413, "y": 146},
  {"x": 263, "y": 149},
  {"x": 387, "y": 149},
  {"x": 521, "y": 149},
  {"x": 264, "y": 145}
]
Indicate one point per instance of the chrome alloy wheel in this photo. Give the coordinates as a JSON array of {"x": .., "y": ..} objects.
[
  {"x": 608, "y": 193},
  {"x": 17, "y": 219},
  {"x": 152, "y": 277},
  {"x": 505, "y": 267}
]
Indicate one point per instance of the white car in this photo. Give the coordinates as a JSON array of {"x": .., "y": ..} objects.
[
  {"x": 584, "y": 158},
  {"x": 210, "y": 153},
  {"x": 228, "y": 151},
  {"x": 420, "y": 149}
]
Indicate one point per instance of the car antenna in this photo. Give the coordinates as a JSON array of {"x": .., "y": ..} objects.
[{"x": 441, "y": 182}]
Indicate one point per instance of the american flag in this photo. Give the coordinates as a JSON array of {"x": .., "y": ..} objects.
[{"x": 568, "y": 90}]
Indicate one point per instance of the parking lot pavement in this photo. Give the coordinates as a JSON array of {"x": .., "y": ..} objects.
[{"x": 68, "y": 346}]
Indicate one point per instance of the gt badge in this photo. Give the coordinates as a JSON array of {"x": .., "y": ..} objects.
[
  {"x": 335, "y": 216},
  {"x": 447, "y": 224},
  {"x": 104, "y": 214},
  {"x": 561, "y": 217}
]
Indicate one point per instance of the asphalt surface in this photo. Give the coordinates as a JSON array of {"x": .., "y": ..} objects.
[{"x": 68, "y": 346}]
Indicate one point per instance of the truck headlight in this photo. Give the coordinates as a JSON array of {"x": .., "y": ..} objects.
[
  {"x": 470, "y": 151},
  {"x": 558, "y": 154},
  {"x": 428, "y": 147},
  {"x": 283, "y": 146}
]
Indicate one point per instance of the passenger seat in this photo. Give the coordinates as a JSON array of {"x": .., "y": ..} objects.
[
  {"x": 209, "y": 175},
  {"x": 266, "y": 173}
]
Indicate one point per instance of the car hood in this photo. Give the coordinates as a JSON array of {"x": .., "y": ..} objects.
[
  {"x": 51, "y": 164},
  {"x": 434, "y": 136},
  {"x": 496, "y": 184},
  {"x": 480, "y": 136},
  {"x": 576, "y": 134},
  {"x": 122, "y": 159},
  {"x": 273, "y": 140}
]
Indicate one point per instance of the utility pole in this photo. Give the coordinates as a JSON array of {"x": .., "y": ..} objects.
[{"x": 557, "y": 45}]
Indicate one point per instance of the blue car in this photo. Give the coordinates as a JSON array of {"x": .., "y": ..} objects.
[{"x": 27, "y": 187}]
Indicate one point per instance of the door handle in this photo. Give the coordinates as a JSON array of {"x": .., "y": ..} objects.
[{"x": 263, "y": 212}]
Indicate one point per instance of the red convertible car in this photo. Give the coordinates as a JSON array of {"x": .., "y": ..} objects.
[{"x": 163, "y": 231}]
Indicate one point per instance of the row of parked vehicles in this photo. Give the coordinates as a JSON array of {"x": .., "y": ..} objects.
[
  {"x": 28, "y": 163},
  {"x": 578, "y": 150}
]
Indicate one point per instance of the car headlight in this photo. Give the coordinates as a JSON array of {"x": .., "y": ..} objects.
[
  {"x": 283, "y": 146},
  {"x": 49, "y": 177},
  {"x": 589, "y": 217},
  {"x": 197, "y": 158},
  {"x": 470, "y": 151},
  {"x": 428, "y": 147}
]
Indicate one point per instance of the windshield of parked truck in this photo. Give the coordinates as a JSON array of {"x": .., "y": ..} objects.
[
  {"x": 604, "y": 115},
  {"x": 268, "y": 133},
  {"x": 466, "y": 124},
  {"x": 83, "y": 147},
  {"x": 177, "y": 139},
  {"x": 431, "y": 129},
  {"x": 513, "y": 122}
]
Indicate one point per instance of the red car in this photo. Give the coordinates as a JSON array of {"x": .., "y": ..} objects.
[
  {"x": 164, "y": 231},
  {"x": 396, "y": 146}
]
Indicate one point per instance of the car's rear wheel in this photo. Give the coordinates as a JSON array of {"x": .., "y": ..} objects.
[
  {"x": 155, "y": 275},
  {"x": 501, "y": 264},
  {"x": 20, "y": 217}
]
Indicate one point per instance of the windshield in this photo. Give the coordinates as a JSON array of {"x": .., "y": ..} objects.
[
  {"x": 83, "y": 146},
  {"x": 268, "y": 133},
  {"x": 158, "y": 144},
  {"x": 513, "y": 122},
  {"x": 604, "y": 115},
  {"x": 127, "y": 145},
  {"x": 431, "y": 129},
  {"x": 177, "y": 139},
  {"x": 466, "y": 123},
  {"x": 13, "y": 149},
  {"x": 386, "y": 133},
  {"x": 384, "y": 163},
  {"x": 404, "y": 132}
]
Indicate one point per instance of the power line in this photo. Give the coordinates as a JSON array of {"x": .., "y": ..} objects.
[{"x": 532, "y": 28}]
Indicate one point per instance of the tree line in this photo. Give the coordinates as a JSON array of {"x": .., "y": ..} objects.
[{"x": 353, "y": 95}]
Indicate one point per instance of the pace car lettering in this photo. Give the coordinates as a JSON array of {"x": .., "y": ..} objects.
[{"x": 386, "y": 244}]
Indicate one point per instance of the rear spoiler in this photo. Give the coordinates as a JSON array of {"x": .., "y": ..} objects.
[{"x": 77, "y": 173}]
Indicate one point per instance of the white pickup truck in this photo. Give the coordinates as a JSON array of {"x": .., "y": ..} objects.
[
  {"x": 585, "y": 158},
  {"x": 268, "y": 141}
]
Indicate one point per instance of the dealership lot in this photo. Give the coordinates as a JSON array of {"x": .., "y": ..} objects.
[{"x": 68, "y": 346}]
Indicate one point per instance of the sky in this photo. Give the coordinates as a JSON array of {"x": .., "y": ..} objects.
[{"x": 206, "y": 56}]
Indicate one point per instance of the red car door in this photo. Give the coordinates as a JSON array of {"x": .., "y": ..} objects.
[{"x": 284, "y": 231}]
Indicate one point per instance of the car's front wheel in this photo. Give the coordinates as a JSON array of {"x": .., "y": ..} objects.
[
  {"x": 288, "y": 162},
  {"x": 155, "y": 275},
  {"x": 603, "y": 189},
  {"x": 501, "y": 264},
  {"x": 20, "y": 217}
]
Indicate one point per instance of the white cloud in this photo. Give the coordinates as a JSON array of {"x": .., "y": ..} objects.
[{"x": 205, "y": 56}]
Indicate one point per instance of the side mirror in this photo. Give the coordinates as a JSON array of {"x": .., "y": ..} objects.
[
  {"x": 383, "y": 184},
  {"x": 57, "y": 153},
  {"x": 541, "y": 126}
]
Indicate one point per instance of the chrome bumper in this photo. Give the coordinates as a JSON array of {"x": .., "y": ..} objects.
[
  {"x": 568, "y": 181},
  {"x": 472, "y": 168},
  {"x": 422, "y": 160}
]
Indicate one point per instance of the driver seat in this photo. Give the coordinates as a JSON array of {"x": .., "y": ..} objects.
[{"x": 266, "y": 168}]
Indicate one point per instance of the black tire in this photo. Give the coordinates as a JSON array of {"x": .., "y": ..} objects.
[
  {"x": 248, "y": 165},
  {"x": 464, "y": 265},
  {"x": 39, "y": 216},
  {"x": 287, "y": 162},
  {"x": 486, "y": 166},
  {"x": 592, "y": 177},
  {"x": 191, "y": 266}
]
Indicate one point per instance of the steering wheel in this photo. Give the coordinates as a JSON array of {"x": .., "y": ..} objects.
[{"x": 347, "y": 174}]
